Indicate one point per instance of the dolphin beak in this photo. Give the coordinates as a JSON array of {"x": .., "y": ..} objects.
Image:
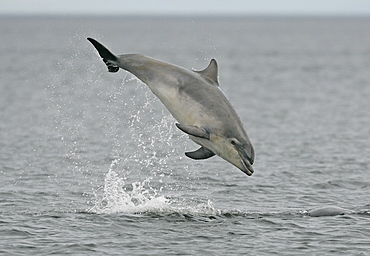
[
  {"x": 246, "y": 156},
  {"x": 246, "y": 166}
]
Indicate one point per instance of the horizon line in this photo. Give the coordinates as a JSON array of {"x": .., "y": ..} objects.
[{"x": 187, "y": 15}]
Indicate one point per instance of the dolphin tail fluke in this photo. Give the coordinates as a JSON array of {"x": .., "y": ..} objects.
[{"x": 109, "y": 58}]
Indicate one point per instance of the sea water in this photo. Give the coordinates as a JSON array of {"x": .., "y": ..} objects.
[{"x": 91, "y": 162}]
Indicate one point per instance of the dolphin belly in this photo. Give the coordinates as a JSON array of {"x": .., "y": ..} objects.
[{"x": 184, "y": 108}]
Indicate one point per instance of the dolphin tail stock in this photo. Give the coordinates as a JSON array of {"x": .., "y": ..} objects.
[{"x": 109, "y": 58}]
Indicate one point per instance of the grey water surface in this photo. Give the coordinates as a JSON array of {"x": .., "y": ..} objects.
[{"x": 91, "y": 162}]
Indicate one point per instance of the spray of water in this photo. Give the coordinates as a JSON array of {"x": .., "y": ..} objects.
[
  {"x": 117, "y": 198},
  {"x": 141, "y": 197},
  {"x": 138, "y": 178}
]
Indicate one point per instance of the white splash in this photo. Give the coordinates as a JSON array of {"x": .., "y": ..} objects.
[
  {"x": 118, "y": 199},
  {"x": 141, "y": 197},
  {"x": 142, "y": 159}
]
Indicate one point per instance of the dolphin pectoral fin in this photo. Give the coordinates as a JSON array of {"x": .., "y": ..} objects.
[
  {"x": 211, "y": 72},
  {"x": 108, "y": 57},
  {"x": 201, "y": 153},
  {"x": 194, "y": 131}
]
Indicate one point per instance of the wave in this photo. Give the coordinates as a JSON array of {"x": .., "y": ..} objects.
[{"x": 142, "y": 198}]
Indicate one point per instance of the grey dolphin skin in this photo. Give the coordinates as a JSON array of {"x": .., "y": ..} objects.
[
  {"x": 196, "y": 101},
  {"x": 328, "y": 211}
]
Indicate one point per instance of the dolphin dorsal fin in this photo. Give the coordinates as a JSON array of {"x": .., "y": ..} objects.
[{"x": 211, "y": 72}]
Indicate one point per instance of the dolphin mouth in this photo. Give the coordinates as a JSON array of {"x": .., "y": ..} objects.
[{"x": 247, "y": 167}]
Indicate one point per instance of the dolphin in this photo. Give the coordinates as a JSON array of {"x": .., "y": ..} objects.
[
  {"x": 196, "y": 101},
  {"x": 328, "y": 211}
]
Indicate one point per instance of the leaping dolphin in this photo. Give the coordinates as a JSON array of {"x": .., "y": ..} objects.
[{"x": 196, "y": 101}]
